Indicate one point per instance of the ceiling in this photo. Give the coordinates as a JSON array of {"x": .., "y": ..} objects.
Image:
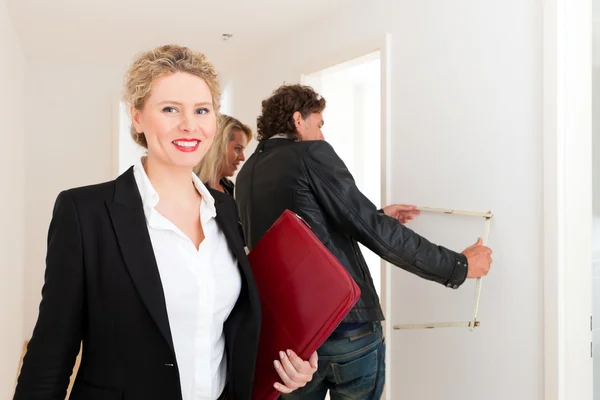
[{"x": 112, "y": 31}]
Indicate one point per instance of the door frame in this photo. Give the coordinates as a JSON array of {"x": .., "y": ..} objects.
[
  {"x": 381, "y": 44},
  {"x": 567, "y": 132}
]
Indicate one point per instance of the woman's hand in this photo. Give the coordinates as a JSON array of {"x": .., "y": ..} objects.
[{"x": 293, "y": 371}]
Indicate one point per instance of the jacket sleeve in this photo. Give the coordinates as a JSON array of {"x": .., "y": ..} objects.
[
  {"x": 55, "y": 343},
  {"x": 354, "y": 214}
]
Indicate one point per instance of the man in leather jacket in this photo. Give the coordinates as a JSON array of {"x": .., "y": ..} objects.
[{"x": 294, "y": 168}]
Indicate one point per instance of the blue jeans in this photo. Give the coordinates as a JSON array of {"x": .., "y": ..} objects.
[{"x": 350, "y": 368}]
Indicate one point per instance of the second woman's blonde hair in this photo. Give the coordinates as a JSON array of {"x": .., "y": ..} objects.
[{"x": 210, "y": 169}]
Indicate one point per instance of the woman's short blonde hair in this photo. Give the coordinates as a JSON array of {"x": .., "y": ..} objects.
[
  {"x": 210, "y": 169},
  {"x": 162, "y": 61}
]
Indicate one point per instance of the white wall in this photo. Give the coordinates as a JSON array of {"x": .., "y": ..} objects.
[
  {"x": 596, "y": 226},
  {"x": 466, "y": 117},
  {"x": 70, "y": 126},
  {"x": 596, "y": 151},
  {"x": 12, "y": 201},
  {"x": 596, "y": 212},
  {"x": 596, "y": 38}
]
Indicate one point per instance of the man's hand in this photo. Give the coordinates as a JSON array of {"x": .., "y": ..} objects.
[
  {"x": 402, "y": 212},
  {"x": 294, "y": 372},
  {"x": 479, "y": 258}
]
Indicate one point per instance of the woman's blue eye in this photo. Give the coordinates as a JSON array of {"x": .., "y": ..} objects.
[{"x": 171, "y": 110}]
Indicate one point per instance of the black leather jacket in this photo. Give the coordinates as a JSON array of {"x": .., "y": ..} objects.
[{"x": 310, "y": 179}]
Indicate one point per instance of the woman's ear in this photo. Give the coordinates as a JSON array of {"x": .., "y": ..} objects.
[{"x": 136, "y": 119}]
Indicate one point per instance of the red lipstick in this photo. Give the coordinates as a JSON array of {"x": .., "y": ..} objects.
[{"x": 186, "y": 145}]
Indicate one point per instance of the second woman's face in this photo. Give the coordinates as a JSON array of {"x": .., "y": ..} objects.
[
  {"x": 235, "y": 152},
  {"x": 178, "y": 120}
]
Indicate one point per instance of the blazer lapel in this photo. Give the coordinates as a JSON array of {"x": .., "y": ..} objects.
[
  {"x": 129, "y": 222},
  {"x": 247, "y": 314},
  {"x": 229, "y": 224}
]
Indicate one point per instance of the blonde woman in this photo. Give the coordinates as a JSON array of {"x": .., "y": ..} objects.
[
  {"x": 225, "y": 155},
  {"x": 148, "y": 271}
]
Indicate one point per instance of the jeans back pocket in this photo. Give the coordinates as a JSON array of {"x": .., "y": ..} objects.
[{"x": 358, "y": 377}]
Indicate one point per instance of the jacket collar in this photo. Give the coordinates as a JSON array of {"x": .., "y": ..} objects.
[
  {"x": 274, "y": 142},
  {"x": 150, "y": 197},
  {"x": 129, "y": 223}
]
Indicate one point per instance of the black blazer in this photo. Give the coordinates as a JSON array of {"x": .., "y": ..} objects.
[
  {"x": 102, "y": 287},
  {"x": 228, "y": 186}
]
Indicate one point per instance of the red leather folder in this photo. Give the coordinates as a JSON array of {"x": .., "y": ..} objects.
[{"x": 305, "y": 293}]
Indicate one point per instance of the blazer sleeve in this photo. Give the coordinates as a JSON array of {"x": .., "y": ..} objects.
[
  {"x": 55, "y": 343},
  {"x": 353, "y": 213}
]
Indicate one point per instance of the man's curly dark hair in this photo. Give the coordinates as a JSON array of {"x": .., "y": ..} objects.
[{"x": 278, "y": 110}]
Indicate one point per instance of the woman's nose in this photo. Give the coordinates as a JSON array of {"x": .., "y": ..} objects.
[{"x": 188, "y": 123}]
